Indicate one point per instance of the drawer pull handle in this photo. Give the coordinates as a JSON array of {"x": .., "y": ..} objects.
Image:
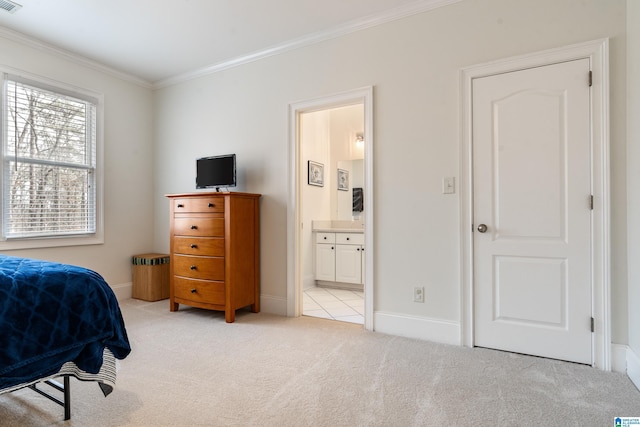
[
  {"x": 358, "y": 249},
  {"x": 347, "y": 238},
  {"x": 193, "y": 267},
  {"x": 325, "y": 237},
  {"x": 211, "y": 205},
  {"x": 193, "y": 246},
  {"x": 331, "y": 247},
  {"x": 194, "y": 227},
  {"x": 194, "y": 290},
  {"x": 180, "y": 205}
]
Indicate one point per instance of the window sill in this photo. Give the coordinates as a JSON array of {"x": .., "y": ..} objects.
[{"x": 51, "y": 242}]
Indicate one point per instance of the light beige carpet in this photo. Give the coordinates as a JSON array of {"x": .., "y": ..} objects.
[{"x": 190, "y": 368}]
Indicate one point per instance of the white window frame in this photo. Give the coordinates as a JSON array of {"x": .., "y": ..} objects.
[{"x": 67, "y": 240}]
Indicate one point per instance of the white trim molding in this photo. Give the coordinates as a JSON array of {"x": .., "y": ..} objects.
[
  {"x": 70, "y": 56},
  {"x": 294, "y": 270},
  {"x": 273, "y": 305},
  {"x": 633, "y": 367},
  {"x": 598, "y": 54},
  {"x": 374, "y": 20},
  {"x": 268, "y": 303},
  {"x": 123, "y": 291},
  {"x": 383, "y": 17},
  {"x": 422, "y": 328},
  {"x": 619, "y": 358}
]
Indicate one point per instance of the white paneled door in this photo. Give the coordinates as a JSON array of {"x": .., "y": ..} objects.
[{"x": 532, "y": 211}]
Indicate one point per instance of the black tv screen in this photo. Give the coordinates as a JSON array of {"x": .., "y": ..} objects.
[{"x": 216, "y": 171}]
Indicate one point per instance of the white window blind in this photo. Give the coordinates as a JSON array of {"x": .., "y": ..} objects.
[{"x": 49, "y": 161}]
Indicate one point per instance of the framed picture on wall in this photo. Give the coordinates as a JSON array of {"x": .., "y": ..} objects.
[
  {"x": 315, "y": 174},
  {"x": 343, "y": 180}
]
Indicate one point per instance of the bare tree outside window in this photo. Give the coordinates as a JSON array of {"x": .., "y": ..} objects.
[{"x": 49, "y": 163}]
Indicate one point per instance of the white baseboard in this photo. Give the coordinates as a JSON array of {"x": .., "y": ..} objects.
[
  {"x": 123, "y": 291},
  {"x": 422, "y": 328},
  {"x": 268, "y": 303},
  {"x": 273, "y": 305},
  {"x": 308, "y": 282},
  {"x": 633, "y": 367},
  {"x": 619, "y": 358}
]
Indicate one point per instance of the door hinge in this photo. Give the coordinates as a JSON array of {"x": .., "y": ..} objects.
[
  {"x": 593, "y": 324},
  {"x": 590, "y": 78},
  {"x": 591, "y": 202}
]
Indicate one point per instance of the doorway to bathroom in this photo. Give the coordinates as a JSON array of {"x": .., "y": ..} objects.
[{"x": 330, "y": 247}]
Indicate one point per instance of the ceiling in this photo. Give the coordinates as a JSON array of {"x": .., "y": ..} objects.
[{"x": 157, "y": 40}]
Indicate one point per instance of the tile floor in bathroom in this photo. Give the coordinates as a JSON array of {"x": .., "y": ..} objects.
[{"x": 337, "y": 304}]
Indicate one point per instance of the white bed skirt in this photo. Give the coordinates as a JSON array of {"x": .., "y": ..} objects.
[{"x": 106, "y": 377}]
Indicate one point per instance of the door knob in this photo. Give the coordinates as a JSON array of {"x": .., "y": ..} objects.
[{"x": 482, "y": 228}]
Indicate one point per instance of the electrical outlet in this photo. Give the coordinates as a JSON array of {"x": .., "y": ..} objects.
[{"x": 418, "y": 294}]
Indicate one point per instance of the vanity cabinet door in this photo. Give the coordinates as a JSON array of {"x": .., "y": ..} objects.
[
  {"x": 349, "y": 263},
  {"x": 326, "y": 261},
  {"x": 362, "y": 275}
]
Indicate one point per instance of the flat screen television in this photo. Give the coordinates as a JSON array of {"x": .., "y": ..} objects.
[{"x": 216, "y": 171}]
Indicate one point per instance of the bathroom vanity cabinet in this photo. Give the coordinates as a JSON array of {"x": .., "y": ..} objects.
[{"x": 339, "y": 257}]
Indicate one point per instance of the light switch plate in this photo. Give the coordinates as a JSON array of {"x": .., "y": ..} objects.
[{"x": 448, "y": 185}]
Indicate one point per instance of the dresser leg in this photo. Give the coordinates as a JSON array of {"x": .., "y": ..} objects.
[
  {"x": 255, "y": 308},
  {"x": 173, "y": 306},
  {"x": 230, "y": 316}
]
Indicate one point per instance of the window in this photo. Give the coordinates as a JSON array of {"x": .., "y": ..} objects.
[{"x": 49, "y": 169}]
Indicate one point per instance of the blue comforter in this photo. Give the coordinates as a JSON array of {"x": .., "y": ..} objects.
[{"x": 54, "y": 313}]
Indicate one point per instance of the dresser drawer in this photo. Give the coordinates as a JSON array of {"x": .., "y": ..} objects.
[
  {"x": 198, "y": 267},
  {"x": 350, "y": 238},
  {"x": 198, "y": 226},
  {"x": 204, "y": 204},
  {"x": 325, "y": 237},
  {"x": 204, "y": 291},
  {"x": 209, "y": 246}
]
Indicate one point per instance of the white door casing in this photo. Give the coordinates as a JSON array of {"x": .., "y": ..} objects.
[
  {"x": 596, "y": 53},
  {"x": 294, "y": 280},
  {"x": 532, "y": 188}
]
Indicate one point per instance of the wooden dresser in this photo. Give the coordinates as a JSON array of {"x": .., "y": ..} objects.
[{"x": 215, "y": 256}]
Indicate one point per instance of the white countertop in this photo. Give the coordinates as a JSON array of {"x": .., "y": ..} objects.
[
  {"x": 336, "y": 226},
  {"x": 339, "y": 230}
]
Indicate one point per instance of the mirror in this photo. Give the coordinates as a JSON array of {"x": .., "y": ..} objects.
[{"x": 350, "y": 188}]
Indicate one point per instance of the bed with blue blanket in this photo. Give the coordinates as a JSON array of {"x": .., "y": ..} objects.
[{"x": 57, "y": 320}]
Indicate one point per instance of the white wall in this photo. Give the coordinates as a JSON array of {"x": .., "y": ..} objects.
[
  {"x": 633, "y": 191},
  {"x": 413, "y": 64},
  {"x": 315, "y": 145},
  {"x": 128, "y": 185}
]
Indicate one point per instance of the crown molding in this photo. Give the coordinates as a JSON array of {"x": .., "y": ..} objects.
[
  {"x": 70, "y": 56},
  {"x": 370, "y": 21}
]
